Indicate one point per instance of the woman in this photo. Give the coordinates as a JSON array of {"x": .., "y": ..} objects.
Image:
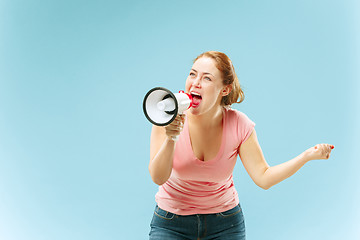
[{"x": 197, "y": 198}]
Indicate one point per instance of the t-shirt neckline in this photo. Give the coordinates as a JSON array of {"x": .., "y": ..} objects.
[{"x": 223, "y": 140}]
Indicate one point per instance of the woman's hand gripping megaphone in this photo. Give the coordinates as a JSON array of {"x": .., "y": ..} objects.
[{"x": 174, "y": 129}]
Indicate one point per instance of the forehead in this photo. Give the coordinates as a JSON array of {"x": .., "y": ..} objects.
[{"x": 206, "y": 64}]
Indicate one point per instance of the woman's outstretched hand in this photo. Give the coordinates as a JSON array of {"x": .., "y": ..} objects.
[{"x": 319, "y": 151}]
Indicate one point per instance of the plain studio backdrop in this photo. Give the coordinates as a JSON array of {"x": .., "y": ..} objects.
[{"x": 74, "y": 142}]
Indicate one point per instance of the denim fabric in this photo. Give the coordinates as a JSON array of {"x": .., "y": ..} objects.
[{"x": 229, "y": 225}]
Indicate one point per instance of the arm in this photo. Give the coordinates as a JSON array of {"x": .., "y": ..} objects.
[
  {"x": 265, "y": 176},
  {"x": 162, "y": 148}
]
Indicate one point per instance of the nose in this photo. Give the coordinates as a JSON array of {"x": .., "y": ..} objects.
[{"x": 196, "y": 82}]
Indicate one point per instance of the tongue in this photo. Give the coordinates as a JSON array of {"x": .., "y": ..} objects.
[{"x": 196, "y": 100}]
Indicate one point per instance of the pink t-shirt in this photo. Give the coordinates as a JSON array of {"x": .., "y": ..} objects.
[{"x": 198, "y": 187}]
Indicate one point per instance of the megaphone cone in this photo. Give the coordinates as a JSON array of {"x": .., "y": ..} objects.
[{"x": 161, "y": 106}]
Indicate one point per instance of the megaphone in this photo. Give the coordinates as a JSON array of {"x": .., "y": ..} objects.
[{"x": 161, "y": 106}]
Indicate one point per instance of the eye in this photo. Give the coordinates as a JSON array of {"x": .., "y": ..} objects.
[
  {"x": 207, "y": 78},
  {"x": 192, "y": 74}
]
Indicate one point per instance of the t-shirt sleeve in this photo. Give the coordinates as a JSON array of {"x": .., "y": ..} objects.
[{"x": 244, "y": 127}]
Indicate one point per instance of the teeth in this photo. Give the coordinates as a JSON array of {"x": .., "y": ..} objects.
[{"x": 196, "y": 94}]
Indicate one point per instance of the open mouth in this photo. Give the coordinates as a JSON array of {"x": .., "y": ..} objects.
[{"x": 196, "y": 99}]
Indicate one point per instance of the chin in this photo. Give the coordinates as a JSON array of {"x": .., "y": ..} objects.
[{"x": 194, "y": 111}]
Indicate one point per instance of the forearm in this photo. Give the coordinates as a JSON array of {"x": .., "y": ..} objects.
[
  {"x": 274, "y": 175},
  {"x": 160, "y": 166}
]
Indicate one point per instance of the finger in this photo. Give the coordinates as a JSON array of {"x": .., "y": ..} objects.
[
  {"x": 172, "y": 133},
  {"x": 331, "y": 146},
  {"x": 173, "y": 128},
  {"x": 323, "y": 150},
  {"x": 327, "y": 148},
  {"x": 179, "y": 120},
  {"x": 173, "y": 125},
  {"x": 183, "y": 119},
  {"x": 176, "y": 122}
]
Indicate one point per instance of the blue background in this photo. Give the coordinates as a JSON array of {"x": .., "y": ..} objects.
[{"x": 74, "y": 143}]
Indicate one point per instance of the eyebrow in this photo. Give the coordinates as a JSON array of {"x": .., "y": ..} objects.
[{"x": 204, "y": 72}]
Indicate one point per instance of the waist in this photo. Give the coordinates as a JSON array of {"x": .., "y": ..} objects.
[{"x": 186, "y": 198}]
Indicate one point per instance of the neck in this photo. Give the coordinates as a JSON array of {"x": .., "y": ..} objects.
[{"x": 207, "y": 120}]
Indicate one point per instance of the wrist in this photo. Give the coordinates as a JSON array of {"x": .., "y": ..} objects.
[
  {"x": 170, "y": 139},
  {"x": 305, "y": 157}
]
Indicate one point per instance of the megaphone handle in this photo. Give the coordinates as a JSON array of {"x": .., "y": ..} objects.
[{"x": 176, "y": 138}]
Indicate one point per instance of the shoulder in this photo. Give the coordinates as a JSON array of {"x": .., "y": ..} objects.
[
  {"x": 239, "y": 123},
  {"x": 236, "y": 115}
]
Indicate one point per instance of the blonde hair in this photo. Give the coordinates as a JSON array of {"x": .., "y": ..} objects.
[{"x": 225, "y": 66}]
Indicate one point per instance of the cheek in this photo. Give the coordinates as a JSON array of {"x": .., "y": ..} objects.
[
  {"x": 187, "y": 85},
  {"x": 214, "y": 92}
]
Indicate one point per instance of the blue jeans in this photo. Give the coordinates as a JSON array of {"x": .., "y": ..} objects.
[{"x": 229, "y": 225}]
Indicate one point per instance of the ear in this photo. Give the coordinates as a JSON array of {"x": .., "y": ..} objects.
[{"x": 226, "y": 90}]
